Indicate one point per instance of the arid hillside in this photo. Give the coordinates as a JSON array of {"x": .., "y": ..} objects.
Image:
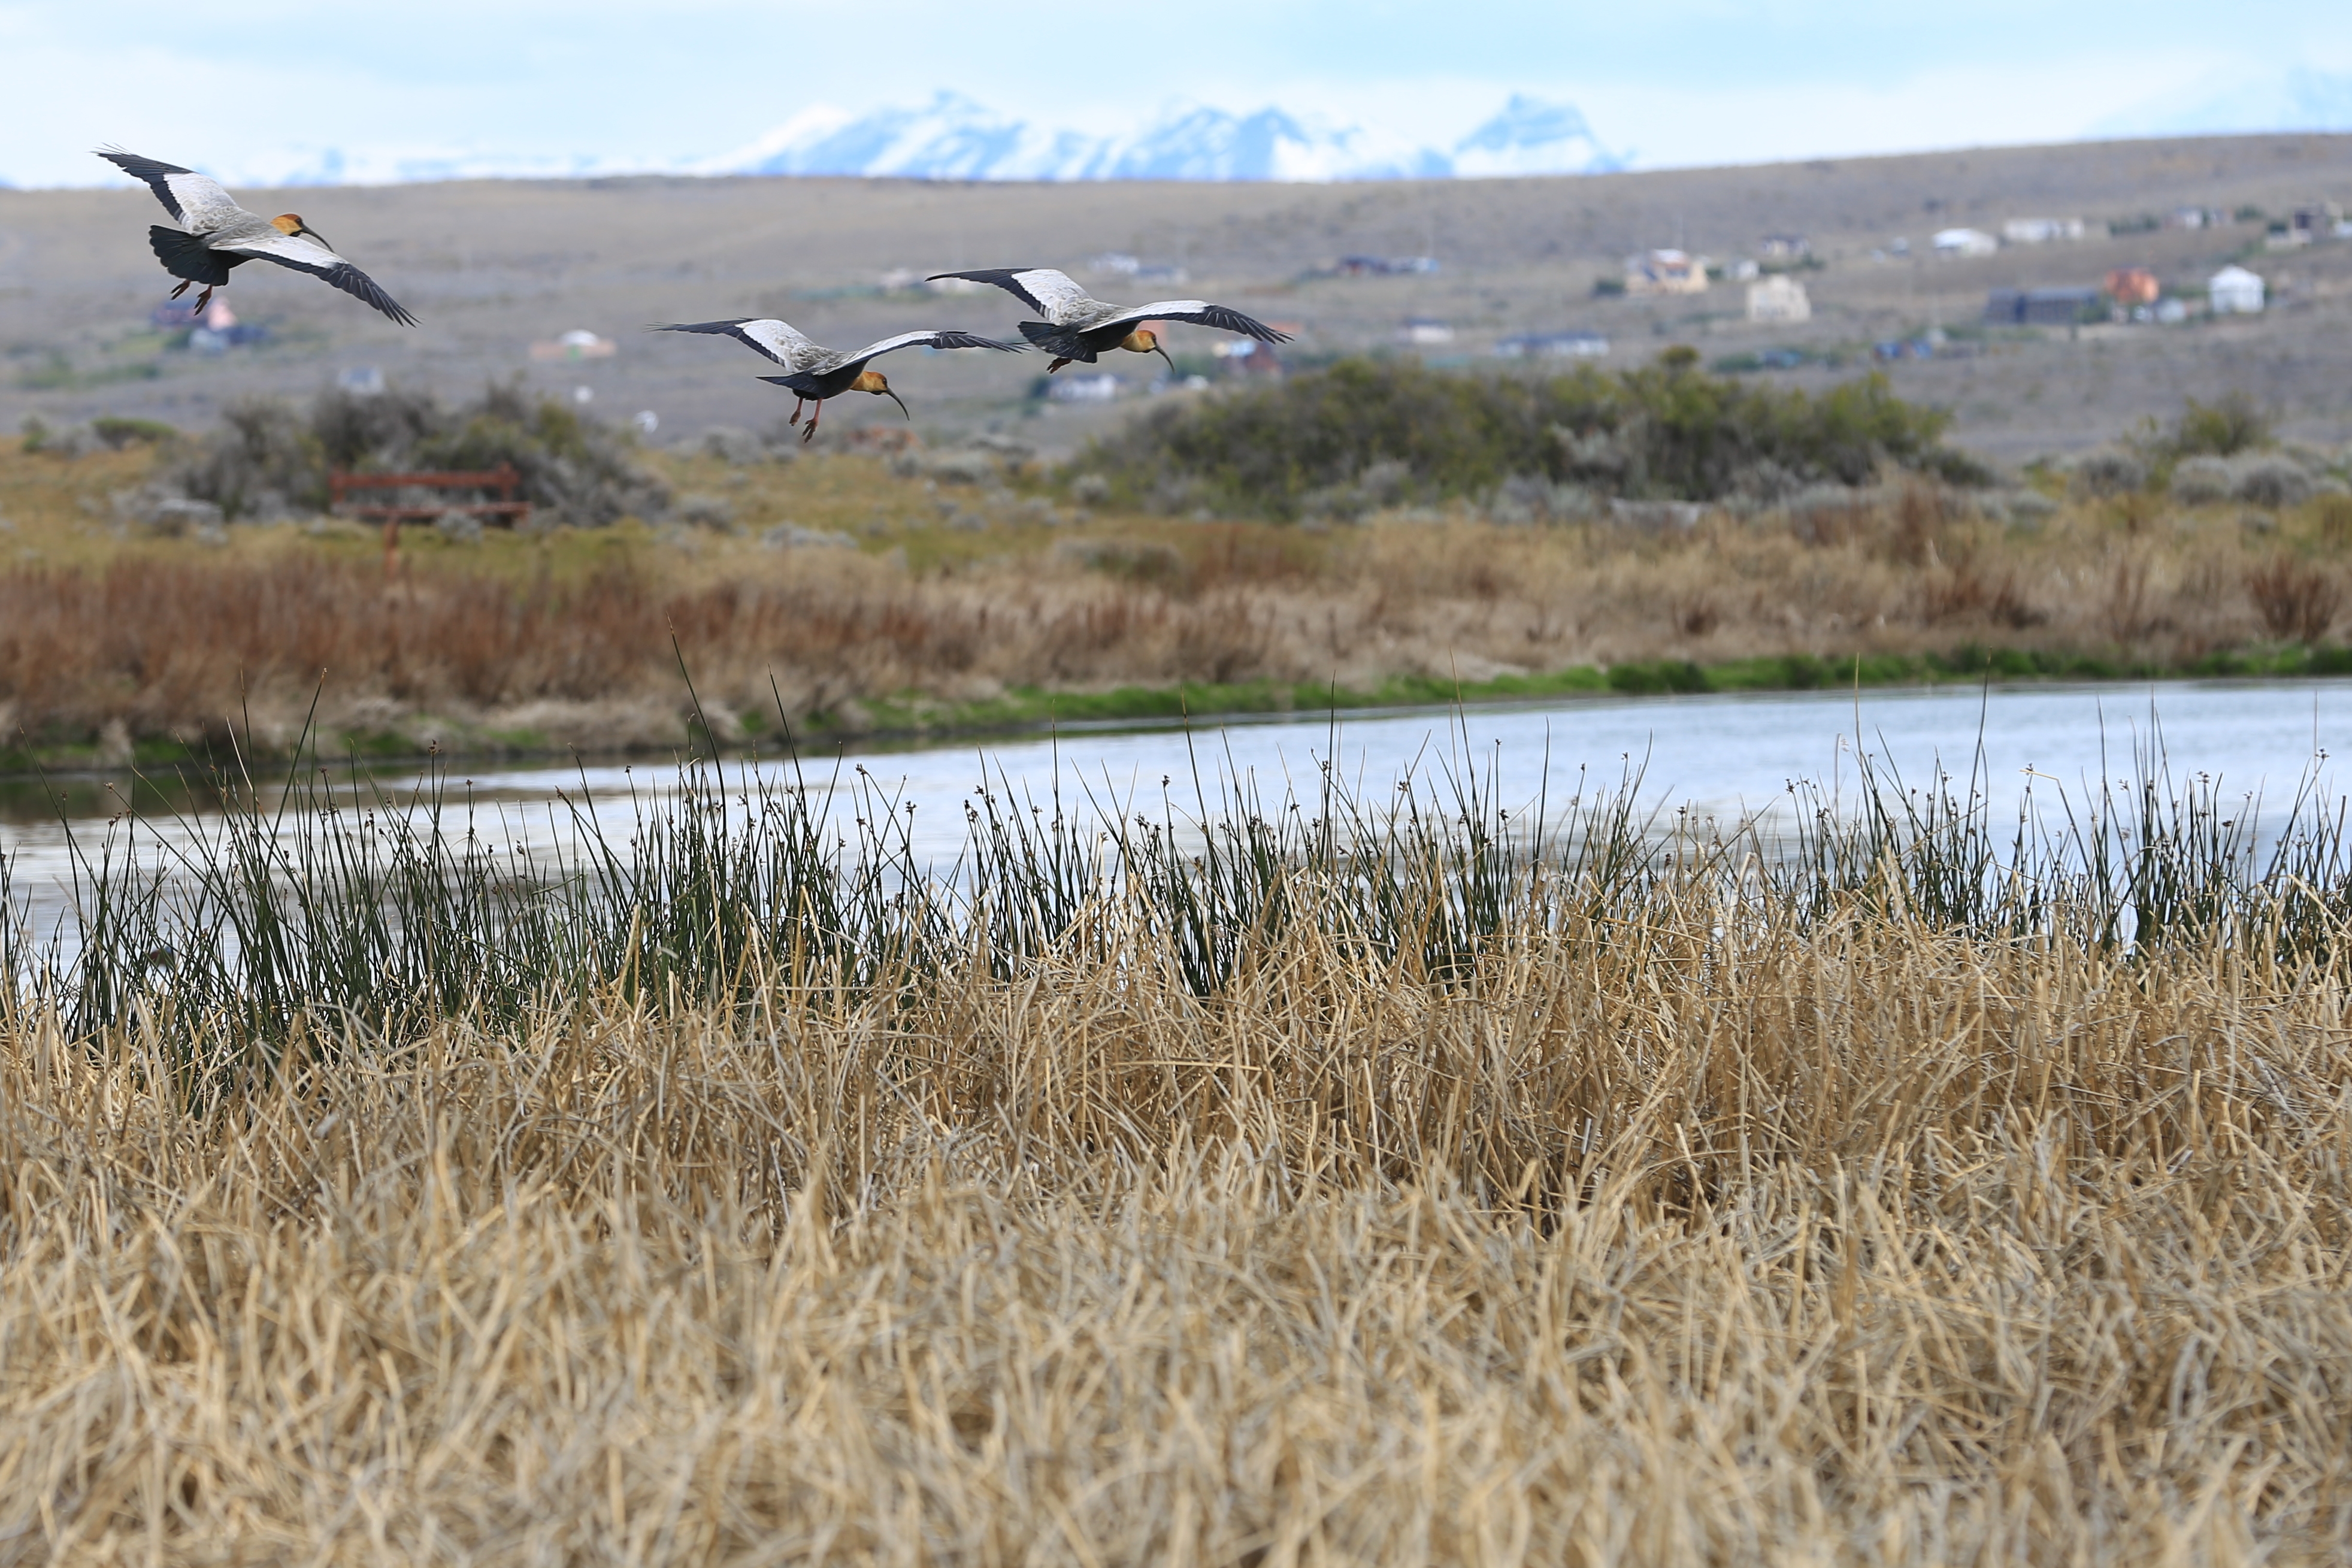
[{"x": 492, "y": 268}]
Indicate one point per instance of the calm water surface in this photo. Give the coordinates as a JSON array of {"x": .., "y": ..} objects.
[{"x": 1726, "y": 757}]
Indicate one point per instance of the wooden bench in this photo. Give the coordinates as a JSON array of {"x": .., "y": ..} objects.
[{"x": 506, "y": 511}]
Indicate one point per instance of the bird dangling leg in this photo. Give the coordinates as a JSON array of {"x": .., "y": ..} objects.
[
  {"x": 810, "y": 434},
  {"x": 796, "y": 419},
  {"x": 203, "y": 299},
  {"x": 185, "y": 284},
  {"x": 1055, "y": 366}
]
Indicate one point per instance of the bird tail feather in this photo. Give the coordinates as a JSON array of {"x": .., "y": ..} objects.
[
  {"x": 1056, "y": 341},
  {"x": 185, "y": 256}
]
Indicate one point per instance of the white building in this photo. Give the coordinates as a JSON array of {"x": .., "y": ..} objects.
[
  {"x": 1099, "y": 388},
  {"x": 2234, "y": 291},
  {"x": 2041, "y": 230},
  {"x": 1665, "y": 272},
  {"x": 1778, "y": 298},
  {"x": 1964, "y": 242},
  {"x": 1425, "y": 333},
  {"x": 1553, "y": 345}
]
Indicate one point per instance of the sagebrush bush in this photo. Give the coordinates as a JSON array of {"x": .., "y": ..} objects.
[
  {"x": 269, "y": 459},
  {"x": 2107, "y": 474},
  {"x": 1371, "y": 432}
]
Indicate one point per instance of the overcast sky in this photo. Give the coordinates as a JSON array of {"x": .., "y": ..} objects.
[{"x": 258, "y": 89}]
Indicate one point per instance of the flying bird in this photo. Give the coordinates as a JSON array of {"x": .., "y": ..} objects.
[
  {"x": 1078, "y": 328},
  {"x": 814, "y": 373},
  {"x": 215, "y": 235}
]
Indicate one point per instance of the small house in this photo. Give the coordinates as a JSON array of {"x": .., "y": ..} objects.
[
  {"x": 1964, "y": 242},
  {"x": 2234, "y": 291},
  {"x": 1246, "y": 356},
  {"x": 1102, "y": 387},
  {"x": 578, "y": 344},
  {"x": 1784, "y": 248},
  {"x": 1552, "y": 345},
  {"x": 2133, "y": 286},
  {"x": 2041, "y": 230},
  {"x": 2041, "y": 307},
  {"x": 1424, "y": 331},
  {"x": 1665, "y": 272},
  {"x": 1386, "y": 266},
  {"x": 1780, "y": 299},
  {"x": 2317, "y": 219}
]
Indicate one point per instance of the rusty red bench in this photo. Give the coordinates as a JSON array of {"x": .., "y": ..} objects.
[{"x": 506, "y": 511}]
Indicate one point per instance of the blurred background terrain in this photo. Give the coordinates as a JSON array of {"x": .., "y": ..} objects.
[{"x": 500, "y": 272}]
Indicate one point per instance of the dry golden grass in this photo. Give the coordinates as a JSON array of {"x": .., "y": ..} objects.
[
  {"x": 957, "y": 593},
  {"x": 1690, "y": 1238}
]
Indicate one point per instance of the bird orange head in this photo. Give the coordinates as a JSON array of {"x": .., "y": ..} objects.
[
  {"x": 1144, "y": 340},
  {"x": 291, "y": 224},
  {"x": 874, "y": 382}
]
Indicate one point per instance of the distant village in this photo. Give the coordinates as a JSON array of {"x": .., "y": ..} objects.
[
  {"x": 1767, "y": 288},
  {"x": 1770, "y": 290}
]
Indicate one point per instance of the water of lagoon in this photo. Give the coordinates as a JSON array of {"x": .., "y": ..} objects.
[{"x": 1725, "y": 759}]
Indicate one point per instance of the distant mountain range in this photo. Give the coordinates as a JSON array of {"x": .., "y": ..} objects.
[
  {"x": 954, "y": 138},
  {"x": 2297, "y": 100}
]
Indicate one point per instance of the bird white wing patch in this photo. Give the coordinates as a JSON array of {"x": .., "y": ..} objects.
[
  {"x": 780, "y": 342},
  {"x": 1049, "y": 293},
  {"x": 307, "y": 255},
  {"x": 1057, "y": 297},
  {"x": 201, "y": 203},
  {"x": 1201, "y": 312},
  {"x": 901, "y": 341},
  {"x": 949, "y": 337},
  {"x": 294, "y": 250},
  {"x": 196, "y": 200}
]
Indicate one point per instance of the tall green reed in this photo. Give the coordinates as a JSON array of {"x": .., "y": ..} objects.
[{"x": 323, "y": 907}]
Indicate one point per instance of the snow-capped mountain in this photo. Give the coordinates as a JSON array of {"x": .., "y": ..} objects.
[
  {"x": 954, "y": 138},
  {"x": 2297, "y": 100}
]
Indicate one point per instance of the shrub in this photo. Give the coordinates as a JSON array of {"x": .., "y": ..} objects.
[
  {"x": 267, "y": 458},
  {"x": 2203, "y": 480},
  {"x": 116, "y": 432},
  {"x": 2271, "y": 482},
  {"x": 2097, "y": 474},
  {"x": 262, "y": 463},
  {"x": 2223, "y": 428},
  {"x": 2295, "y": 598},
  {"x": 1397, "y": 430}
]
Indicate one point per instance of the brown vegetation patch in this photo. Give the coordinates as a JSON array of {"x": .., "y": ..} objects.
[
  {"x": 1680, "y": 1237},
  {"x": 169, "y": 636}
]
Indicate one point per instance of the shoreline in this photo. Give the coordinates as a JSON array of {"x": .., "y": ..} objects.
[{"x": 913, "y": 721}]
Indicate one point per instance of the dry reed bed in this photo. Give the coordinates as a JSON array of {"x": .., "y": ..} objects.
[
  {"x": 1702, "y": 1236},
  {"x": 163, "y": 640}
]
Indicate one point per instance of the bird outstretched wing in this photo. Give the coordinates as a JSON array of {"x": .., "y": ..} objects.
[
  {"x": 1051, "y": 294},
  {"x": 304, "y": 254},
  {"x": 777, "y": 340},
  {"x": 1200, "y": 312},
  {"x": 801, "y": 383},
  {"x": 949, "y": 339},
  {"x": 195, "y": 200}
]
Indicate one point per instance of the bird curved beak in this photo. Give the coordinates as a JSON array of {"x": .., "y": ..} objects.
[
  {"x": 1163, "y": 354},
  {"x": 902, "y": 407},
  {"x": 314, "y": 233}
]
